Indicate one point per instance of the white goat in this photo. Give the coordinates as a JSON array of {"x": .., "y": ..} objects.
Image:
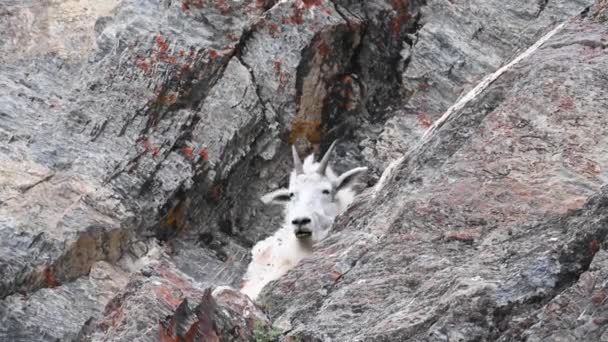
[{"x": 314, "y": 198}]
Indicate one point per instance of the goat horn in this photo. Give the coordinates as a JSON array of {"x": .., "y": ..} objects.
[
  {"x": 297, "y": 163},
  {"x": 325, "y": 160}
]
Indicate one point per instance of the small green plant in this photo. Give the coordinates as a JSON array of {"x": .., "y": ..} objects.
[{"x": 265, "y": 333}]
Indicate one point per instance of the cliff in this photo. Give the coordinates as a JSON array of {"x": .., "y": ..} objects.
[{"x": 136, "y": 137}]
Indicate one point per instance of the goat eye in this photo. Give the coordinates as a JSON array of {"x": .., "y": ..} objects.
[
  {"x": 291, "y": 194},
  {"x": 326, "y": 192}
]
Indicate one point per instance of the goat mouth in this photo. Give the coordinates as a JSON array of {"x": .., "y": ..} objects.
[{"x": 303, "y": 235}]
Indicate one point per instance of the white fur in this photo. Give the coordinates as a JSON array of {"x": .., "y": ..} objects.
[{"x": 280, "y": 252}]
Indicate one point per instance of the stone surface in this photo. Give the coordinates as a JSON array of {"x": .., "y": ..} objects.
[
  {"x": 136, "y": 137},
  {"x": 473, "y": 231},
  {"x": 170, "y": 306}
]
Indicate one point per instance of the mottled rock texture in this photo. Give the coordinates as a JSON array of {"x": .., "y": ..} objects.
[
  {"x": 136, "y": 137},
  {"x": 482, "y": 224}
]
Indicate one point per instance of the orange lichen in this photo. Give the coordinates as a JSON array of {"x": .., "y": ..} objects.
[
  {"x": 309, "y": 129},
  {"x": 167, "y": 99}
]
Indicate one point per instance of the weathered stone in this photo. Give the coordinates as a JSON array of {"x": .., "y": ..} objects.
[
  {"x": 506, "y": 166},
  {"x": 170, "y": 306},
  {"x": 136, "y": 137}
]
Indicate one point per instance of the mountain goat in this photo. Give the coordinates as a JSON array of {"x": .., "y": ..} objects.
[{"x": 314, "y": 198}]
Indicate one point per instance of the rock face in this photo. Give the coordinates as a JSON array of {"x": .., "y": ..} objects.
[
  {"x": 136, "y": 137},
  {"x": 478, "y": 229}
]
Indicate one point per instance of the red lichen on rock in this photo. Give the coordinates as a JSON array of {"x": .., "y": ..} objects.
[
  {"x": 400, "y": 5},
  {"x": 186, "y": 4},
  {"x": 394, "y": 25},
  {"x": 296, "y": 18},
  {"x": 203, "y": 154},
  {"x": 162, "y": 44},
  {"x": 167, "y": 296},
  {"x": 223, "y": 6},
  {"x": 425, "y": 120},
  {"x": 185, "y": 68},
  {"x": 233, "y": 36},
  {"x": 273, "y": 29},
  {"x": 599, "y": 297},
  {"x": 147, "y": 144},
  {"x": 191, "y": 333},
  {"x": 213, "y": 55},
  {"x": 216, "y": 192},
  {"x": 594, "y": 246},
  {"x": 111, "y": 319},
  {"x": 397, "y": 21},
  {"x": 465, "y": 235},
  {"x": 165, "y": 334},
  {"x": 282, "y": 76},
  {"x": 566, "y": 103},
  {"x": 49, "y": 278},
  {"x": 424, "y": 85},
  {"x": 283, "y": 80},
  {"x": 277, "y": 67},
  {"x": 311, "y": 3},
  {"x": 144, "y": 64},
  {"x": 188, "y": 151},
  {"x": 170, "y": 59},
  {"x": 323, "y": 48}
]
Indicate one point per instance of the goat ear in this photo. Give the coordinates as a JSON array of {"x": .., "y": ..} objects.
[
  {"x": 349, "y": 177},
  {"x": 280, "y": 196}
]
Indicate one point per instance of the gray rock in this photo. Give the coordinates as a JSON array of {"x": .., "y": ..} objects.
[
  {"x": 136, "y": 137},
  {"x": 473, "y": 229}
]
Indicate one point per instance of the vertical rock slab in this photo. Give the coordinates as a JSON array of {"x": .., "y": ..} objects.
[
  {"x": 95, "y": 138},
  {"x": 172, "y": 307},
  {"x": 146, "y": 122},
  {"x": 445, "y": 52},
  {"x": 466, "y": 235}
]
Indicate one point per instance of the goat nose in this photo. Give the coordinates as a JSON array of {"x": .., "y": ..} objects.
[{"x": 301, "y": 221}]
